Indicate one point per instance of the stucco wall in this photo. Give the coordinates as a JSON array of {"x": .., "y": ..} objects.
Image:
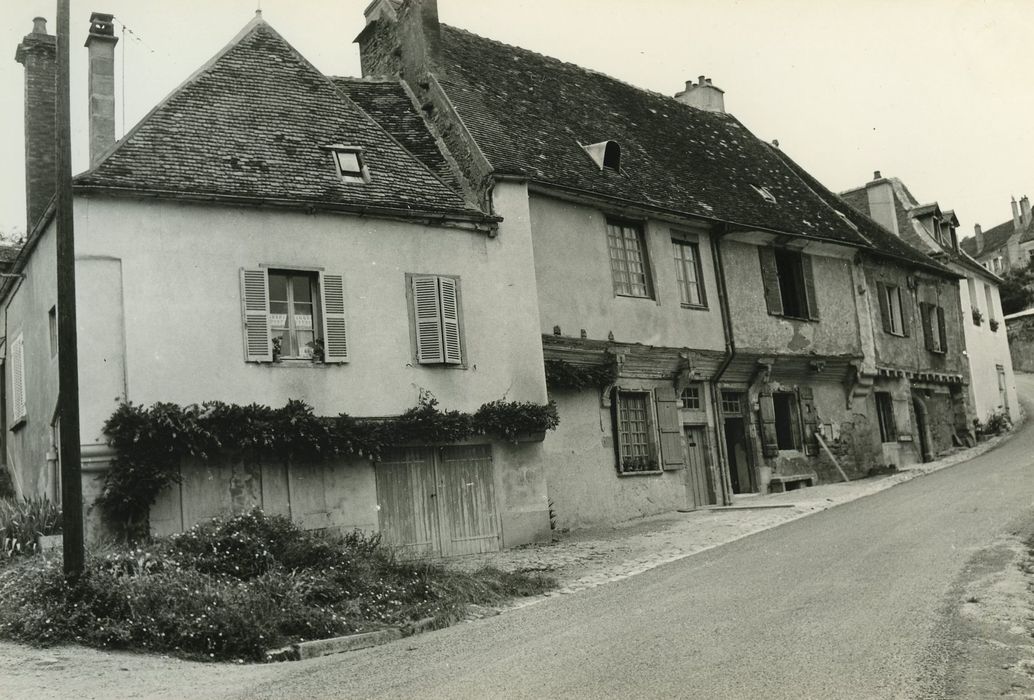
[
  {"x": 836, "y": 331},
  {"x": 575, "y": 285},
  {"x": 986, "y": 349}
]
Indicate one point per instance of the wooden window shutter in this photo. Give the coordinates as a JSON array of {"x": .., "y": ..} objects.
[
  {"x": 449, "y": 291},
  {"x": 810, "y": 420},
  {"x": 18, "y": 408},
  {"x": 809, "y": 287},
  {"x": 881, "y": 292},
  {"x": 335, "y": 331},
  {"x": 428, "y": 320},
  {"x": 924, "y": 313},
  {"x": 770, "y": 280},
  {"x": 255, "y": 301},
  {"x": 769, "y": 439},
  {"x": 670, "y": 428},
  {"x": 941, "y": 329},
  {"x": 906, "y": 314}
]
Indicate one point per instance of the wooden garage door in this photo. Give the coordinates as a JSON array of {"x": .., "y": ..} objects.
[{"x": 438, "y": 500}]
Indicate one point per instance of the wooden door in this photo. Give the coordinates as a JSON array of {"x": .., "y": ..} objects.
[
  {"x": 466, "y": 500},
  {"x": 406, "y": 494},
  {"x": 698, "y": 473}
]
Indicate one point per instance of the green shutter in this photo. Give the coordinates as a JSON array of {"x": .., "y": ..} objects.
[
  {"x": 450, "y": 314},
  {"x": 427, "y": 316},
  {"x": 881, "y": 292},
  {"x": 941, "y": 329},
  {"x": 809, "y": 287},
  {"x": 769, "y": 439},
  {"x": 924, "y": 313},
  {"x": 770, "y": 280},
  {"x": 810, "y": 419},
  {"x": 335, "y": 332},
  {"x": 258, "y": 346},
  {"x": 669, "y": 428}
]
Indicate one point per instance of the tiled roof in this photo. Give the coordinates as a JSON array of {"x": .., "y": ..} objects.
[
  {"x": 252, "y": 123},
  {"x": 530, "y": 114},
  {"x": 390, "y": 106},
  {"x": 996, "y": 237}
]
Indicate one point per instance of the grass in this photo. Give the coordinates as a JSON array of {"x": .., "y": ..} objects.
[
  {"x": 22, "y": 520},
  {"x": 232, "y": 589}
]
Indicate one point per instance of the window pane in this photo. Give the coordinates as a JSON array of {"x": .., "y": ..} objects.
[
  {"x": 302, "y": 288},
  {"x": 277, "y": 287},
  {"x": 348, "y": 162}
]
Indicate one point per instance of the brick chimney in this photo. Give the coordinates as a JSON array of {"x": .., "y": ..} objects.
[
  {"x": 101, "y": 47},
  {"x": 882, "y": 206},
  {"x": 38, "y": 53},
  {"x": 703, "y": 95},
  {"x": 979, "y": 233},
  {"x": 1024, "y": 211}
]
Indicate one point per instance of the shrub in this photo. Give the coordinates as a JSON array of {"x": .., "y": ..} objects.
[
  {"x": 997, "y": 422},
  {"x": 23, "y": 520}
]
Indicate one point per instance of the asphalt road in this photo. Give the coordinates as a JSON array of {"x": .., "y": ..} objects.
[{"x": 842, "y": 604}]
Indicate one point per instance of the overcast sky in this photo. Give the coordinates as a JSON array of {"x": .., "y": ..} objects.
[{"x": 935, "y": 92}]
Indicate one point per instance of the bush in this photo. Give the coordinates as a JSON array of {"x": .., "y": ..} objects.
[
  {"x": 23, "y": 520},
  {"x": 233, "y": 588}
]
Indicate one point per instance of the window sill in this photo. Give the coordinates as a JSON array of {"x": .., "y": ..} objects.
[
  {"x": 296, "y": 364},
  {"x": 695, "y": 307},
  {"x": 652, "y": 472},
  {"x": 795, "y": 318},
  {"x": 19, "y": 424},
  {"x": 633, "y": 296}
]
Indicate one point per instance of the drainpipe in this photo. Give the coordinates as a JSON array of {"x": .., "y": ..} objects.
[{"x": 730, "y": 353}]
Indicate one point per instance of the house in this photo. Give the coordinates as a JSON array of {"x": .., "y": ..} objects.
[
  {"x": 1008, "y": 245},
  {"x": 256, "y": 238},
  {"x": 703, "y": 303},
  {"x": 992, "y": 386}
]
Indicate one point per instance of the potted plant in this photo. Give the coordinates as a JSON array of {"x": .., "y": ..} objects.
[
  {"x": 977, "y": 316},
  {"x": 994, "y": 324}
]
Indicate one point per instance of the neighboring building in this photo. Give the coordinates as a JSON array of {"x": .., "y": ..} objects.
[
  {"x": 1006, "y": 246},
  {"x": 693, "y": 266},
  {"x": 1021, "y": 339},
  {"x": 255, "y": 214},
  {"x": 992, "y": 386}
]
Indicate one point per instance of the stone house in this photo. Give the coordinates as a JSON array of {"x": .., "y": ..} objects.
[
  {"x": 1006, "y": 246},
  {"x": 992, "y": 386}
]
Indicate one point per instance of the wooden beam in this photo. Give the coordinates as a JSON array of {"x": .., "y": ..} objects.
[{"x": 818, "y": 436}]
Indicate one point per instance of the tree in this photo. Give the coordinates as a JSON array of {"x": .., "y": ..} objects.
[{"x": 1017, "y": 289}]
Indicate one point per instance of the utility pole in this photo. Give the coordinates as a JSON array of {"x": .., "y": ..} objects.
[{"x": 67, "y": 353}]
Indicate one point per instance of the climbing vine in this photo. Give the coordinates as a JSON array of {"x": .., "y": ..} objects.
[
  {"x": 151, "y": 442},
  {"x": 564, "y": 375}
]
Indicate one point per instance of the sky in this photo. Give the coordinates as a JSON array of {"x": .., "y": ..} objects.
[{"x": 935, "y": 92}]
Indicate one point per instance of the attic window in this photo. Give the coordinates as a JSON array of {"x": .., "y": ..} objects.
[
  {"x": 765, "y": 194},
  {"x": 349, "y": 163},
  {"x": 605, "y": 154}
]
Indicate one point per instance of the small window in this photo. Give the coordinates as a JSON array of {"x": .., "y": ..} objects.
[
  {"x": 634, "y": 433},
  {"x": 935, "y": 334},
  {"x": 349, "y": 163},
  {"x": 765, "y": 194},
  {"x": 788, "y": 282},
  {"x": 690, "y": 398},
  {"x": 731, "y": 403},
  {"x": 885, "y": 415},
  {"x": 892, "y": 309},
  {"x": 52, "y": 325},
  {"x": 787, "y": 420},
  {"x": 435, "y": 308},
  {"x": 628, "y": 262},
  {"x": 605, "y": 154},
  {"x": 688, "y": 273},
  {"x": 989, "y": 296}
]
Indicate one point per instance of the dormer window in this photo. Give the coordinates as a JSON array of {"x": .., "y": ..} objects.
[
  {"x": 349, "y": 163},
  {"x": 605, "y": 154},
  {"x": 765, "y": 194}
]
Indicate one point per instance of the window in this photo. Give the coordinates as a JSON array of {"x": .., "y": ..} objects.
[
  {"x": 787, "y": 420},
  {"x": 997, "y": 265},
  {"x": 628, "y": 262},
  {"x": 435, "y": 307},
  {"x": 52, "y": 326},
  {"x": 293, "y": 315},
  {"x": 885, "y": 415},
  {"x": 605, "y": 154},
  {"x": 731, "y": 403},
  {"x": 688, "y": 273},
  {"x": 935, "y": 334},
  {"x": 892, "y": 309},
  {"x": 690, "y": 398},
  {"x": 973, "y": 305},
  {"x": 789, "y": 283},
  {"x": 18, "y": 409},
  {"x": 635, "y": 445},
  {"x": 349, "y": 163}
]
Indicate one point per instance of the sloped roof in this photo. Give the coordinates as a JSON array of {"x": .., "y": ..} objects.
[
  {"x": 996, "y": 237},
  {"x": 390, "y": 106},
  {"x": 252, "y": 123},
  {"x": 530, "y": 115}
]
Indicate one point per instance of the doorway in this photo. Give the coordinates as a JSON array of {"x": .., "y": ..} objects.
[
  {"x": 925, "y": 453},
  {"x": 741, "y": 474},
  {"x": 699, "y": 480},
  {"x": 438, "y": 500}
]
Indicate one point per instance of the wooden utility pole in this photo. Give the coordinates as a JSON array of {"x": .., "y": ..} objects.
[{"x": 67, "y": 353}]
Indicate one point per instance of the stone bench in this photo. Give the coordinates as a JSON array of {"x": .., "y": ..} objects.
[{"x": 791, "y": 482}]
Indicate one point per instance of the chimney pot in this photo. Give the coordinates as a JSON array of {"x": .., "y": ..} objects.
[
  {"x": 701, "y": 79},
  {"x": 1016, "y": 215},
  {"x": 1025, "y": 213},
  {"x": 704, "y": 95},
  {"x": 39, "y": 25}
]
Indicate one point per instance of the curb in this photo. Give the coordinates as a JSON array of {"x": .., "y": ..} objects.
[{"x": 350, "y": 642}]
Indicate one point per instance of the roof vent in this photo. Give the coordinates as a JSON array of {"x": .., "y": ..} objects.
[
  {"x": 605, "y": 154},
  {"x": 349, "y": 163},
  {"x": 765, "y": 194}
]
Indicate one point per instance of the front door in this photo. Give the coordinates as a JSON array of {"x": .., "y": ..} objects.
[
  {"x": 438, "y": 500},
  {"x": 699, "y": 480}
]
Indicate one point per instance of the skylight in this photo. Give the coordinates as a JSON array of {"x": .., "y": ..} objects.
[
  {"x": 765, "y": 194},
  {"x": 606, "y": 154},
  {"x": 349, "y": 163}
]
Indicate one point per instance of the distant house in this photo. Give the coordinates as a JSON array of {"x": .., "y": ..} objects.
[
  {"x": 1006, "y": 246},
  {"x": 698, "y": 297},
  {"x": 888, "y": 201},
  {"x": 255, "y": 238}
]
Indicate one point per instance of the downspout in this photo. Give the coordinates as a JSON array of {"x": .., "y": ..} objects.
[{"x": 730, "y": 353}]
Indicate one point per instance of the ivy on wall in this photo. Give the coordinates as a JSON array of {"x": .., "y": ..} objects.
[
  {"x": 150, "y": 443},
  {"x": 564, "y": 375}
]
